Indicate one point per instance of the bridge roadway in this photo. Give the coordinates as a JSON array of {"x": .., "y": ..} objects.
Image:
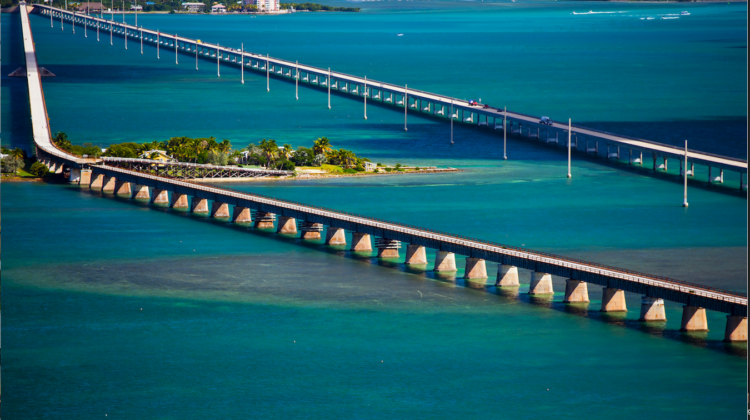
[
  {"x": 192, "y": 170},
  {"x": 657, "y": 149},
  {"x": 696, "y": 298}
]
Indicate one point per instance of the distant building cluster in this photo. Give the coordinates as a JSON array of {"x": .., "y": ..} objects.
[
  {"x": 263, "y": 5},
  {"x": 193, "y": 7}
]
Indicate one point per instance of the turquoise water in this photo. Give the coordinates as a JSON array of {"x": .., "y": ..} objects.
[{"x": 114, "y": 307}]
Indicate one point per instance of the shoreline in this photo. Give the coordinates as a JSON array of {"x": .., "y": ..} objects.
[{"x": 324, "y": 176}]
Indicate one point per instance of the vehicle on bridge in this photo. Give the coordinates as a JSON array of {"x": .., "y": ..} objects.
[{"x": 545, "y": 121}]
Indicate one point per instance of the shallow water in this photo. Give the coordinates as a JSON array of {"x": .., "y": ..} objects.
[{"x": 114, "y": 307}]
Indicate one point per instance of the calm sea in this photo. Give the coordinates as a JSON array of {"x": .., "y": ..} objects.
[{"x": 114, "y": 308}]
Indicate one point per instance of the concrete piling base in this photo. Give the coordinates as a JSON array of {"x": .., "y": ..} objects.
[
  {"x": 613, "y": 300},
  {"x": 311, "y": 230},
  {"x": 335, "y": 236},
  {"x": 652, "y": 309},
  {"x": 241, "y": 215},
  {"x": 75, "y": 175},
  {"x": 388, "y": 248},
  {"x": 219, "y": 210},
  {"x": 199, "y": 205},
  {"x": 160, "y": 196},
  {"x": 445, "y": 261},
  {"x": 97, "y": 181},
  {"x": 85, "y": 177},
  {"x": 415, "y": 254},
  {"x": 287, "y": 225},
  {"x": 123, "y": 188},
  {"x": 576, "y": 291},
  {"x": 109, "y": 183},
  {"x": 179, "y": 201},
  {"x": 264, "y": 220},
  {"x": 507, "y": 276},
  {"x": 361, "y": 242},
  {"x": 141, "y": 192},
  {"x": 693, "y": 319},
  {"x": 541, "y": 284},
  {"x": 387, "y": 253},
  {"x": 476, "y": 268},
  {"x": 736, "y": 328}
]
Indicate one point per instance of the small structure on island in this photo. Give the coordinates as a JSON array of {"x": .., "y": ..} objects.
[
  {"x": 218, "y": 8},
  {"x": 158, "y": 155},
  {"x": 370, "y": 167},
  {"x": 193, "y": 7},
  {"x": 137, "y": 8},
  {"x": 88, "y": 7}
]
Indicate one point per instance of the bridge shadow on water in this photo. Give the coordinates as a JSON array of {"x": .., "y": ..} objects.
[{"x": 504, "y": 294}]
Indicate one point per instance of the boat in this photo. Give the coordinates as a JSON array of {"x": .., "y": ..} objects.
[
  {"x": 399, "y": 34},
  {"x": 684, "y": 13}
]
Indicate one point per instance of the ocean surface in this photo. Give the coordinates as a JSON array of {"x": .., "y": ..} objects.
[{"x": 114, "y": 307}]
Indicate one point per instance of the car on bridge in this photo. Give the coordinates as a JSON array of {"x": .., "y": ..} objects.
[{"x": 545, "y": 121}]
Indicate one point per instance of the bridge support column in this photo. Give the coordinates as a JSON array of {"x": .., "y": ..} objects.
[
  {"x": 264, "y": 220},
  {"x": 736, "y": 328},
  {"x": 415, "y": 254},
  {"x": 179, "y": 201},
  {"x": 59, "y": 168},
  {"x": 507, "y": 276},
  {"x": 613, "y": 300},
  {"x": 75, "y": 175},
  {"x": 335, "y": 236},
  {"x": 693, "y": 319},
  {"x": 311, "y": 230},
  {"x": 85, "y": 177},
  {"x": 109, "y": 183},
  {"x": 387, "y": 248},
  {"x": 219, "y": 210},
  {"x": 160, "y": 196},
  {"x": 652, "y": 309},
  {"x": 141, "y": 192},
  {"x": 445, "y": 261},
  {"x": 241, "y": 215},
  {"x": 97, "y": 181},
  {"x": 123, "y": 188},
  {"x": 576, "y": 291},
  {"x": 199, "y": 205},
  {"x": 286, "y": 225},
  {"x": 361, "y": 242},
  {"x": 476, "y": 268},
  {"x": 541, "y": 284}
]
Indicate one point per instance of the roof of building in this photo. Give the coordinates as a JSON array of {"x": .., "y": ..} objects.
[{"x": 91, "y": 5}]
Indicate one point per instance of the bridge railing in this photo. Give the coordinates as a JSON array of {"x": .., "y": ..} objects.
[
  {"x": 540, "y": 255},
  {"x": 198, "y": 165}
]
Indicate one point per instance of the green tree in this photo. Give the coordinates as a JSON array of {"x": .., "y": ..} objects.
[
  {"x": 270, "y": 151},
  {"x": 39, "y": 169},
  {"x": 322, "y": 146}
]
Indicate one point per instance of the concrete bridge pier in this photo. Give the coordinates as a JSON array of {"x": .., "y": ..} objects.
[
  {"x": 476, "y": 268},
  {"x": 388, "y": 248},
  {"x": 75, "y": 175},
  {"x": 311, "y": 230},
  {"x": 179, "y": 201},
  {"x": 736, "y": 328},
  {"x": 122, "y": 188},
  {"x": 264, "y": 220},
  {"x": 541, "y": 284},
  {"x": 160, "y": 196},
  {"x": 241, "y": 215},
  {"x": 199, "y": 205},
  {"x": 335, "y": 236},
  {"x": 85, "y": 177},
  {"x": 507, "y": 276},
  {"x": 576, "y": 291},
  {"x": 219, "y": 210},
  {"x": 613, "y": 300},
  {"x": 652, "y": 309},
  {"x": 415, "y": 254},
  {"x": 109, "y": 183},
  {"x": 361, "y": 242},
  {"x": 286, "y": 225},
  {"x": 97, "y": 181},
  {"x": 445, "y": 261},
  {"x": 693, "y": 319},
  {"x": 141, "y": 192}
]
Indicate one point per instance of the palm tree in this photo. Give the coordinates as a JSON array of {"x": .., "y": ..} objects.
[
  {"x": 269, "y": 149},
  {"x": 347, "y": 158},
  {"x": 322, "y": 146},
  {"x": 61, "y": 140},
  {"x": 224, "y": 146},
  {"x": 288, "y": 152}
]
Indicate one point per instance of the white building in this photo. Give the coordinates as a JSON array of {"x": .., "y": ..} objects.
[
  {"x": 264, "y": 5},
  {"x": 193, "y": 7},
  {"x": 218, "y": 8}
]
